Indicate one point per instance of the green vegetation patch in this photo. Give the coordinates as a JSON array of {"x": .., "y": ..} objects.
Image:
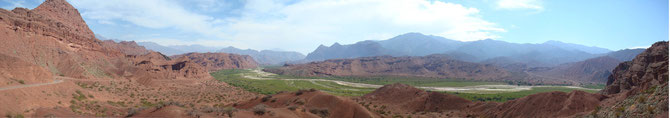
[
  {"x": 414, "y": 81},
  {"x": 503, "y": 97},
  {"x": 234, "y": 77}
]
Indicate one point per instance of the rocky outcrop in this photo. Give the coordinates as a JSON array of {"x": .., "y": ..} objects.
[
  {"x": 649, "y": 68},
  {"x": 219, "y": 61},
  {"x": 155, "y": 65},
  {"x": 434, "y": 66}
]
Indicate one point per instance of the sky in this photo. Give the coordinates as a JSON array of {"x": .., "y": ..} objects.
[{"x": 303, "y": 25}]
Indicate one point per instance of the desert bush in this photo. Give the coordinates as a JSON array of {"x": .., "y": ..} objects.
[
  {"x": 651, "y": 109},
  {"x": 292, "y": 107},
  {"x": 321, "y": 112},
  {"x": 259, "y": 109},
  {"x": 266, "y": 98},
  {"x": 229, "y": 111},
  {"x": 641, "y": 99},
  {"x": 300, "y": 101},
  {"x": 298, "y": 93}
]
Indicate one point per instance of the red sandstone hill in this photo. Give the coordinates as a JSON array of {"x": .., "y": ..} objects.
[
  {"x": 218, "y": 61},
  {"x": 405, "y": 98},
  {"x": 437, "y": 66},
  {"x": 52, "y": 40}
]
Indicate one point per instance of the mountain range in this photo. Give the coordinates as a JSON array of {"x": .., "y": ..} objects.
[{"x": 550, "y": 53}]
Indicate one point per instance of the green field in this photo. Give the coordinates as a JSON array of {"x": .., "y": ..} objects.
[
  {"x": 272, "y": 86},
  {"x": 502, "y": 97},
  {"x": 414, "y": 81},
  {"x": 234, "y": 77}
]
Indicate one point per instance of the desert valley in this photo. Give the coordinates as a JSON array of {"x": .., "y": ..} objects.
[{"x": 53, "y": 65}]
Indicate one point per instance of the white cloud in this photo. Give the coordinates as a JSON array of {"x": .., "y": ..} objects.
[
  {"x": 638, "y": 47},
  {"x": 302, "y": 25},
  {"x": 520, "y": 4}
]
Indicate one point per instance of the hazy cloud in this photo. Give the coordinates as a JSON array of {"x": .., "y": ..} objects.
[
  {"x": 301, "y": 25},
  {"x": 520, "y": 4}
]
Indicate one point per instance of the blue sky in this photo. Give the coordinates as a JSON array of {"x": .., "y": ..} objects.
[{"x": 301, "y": 26}]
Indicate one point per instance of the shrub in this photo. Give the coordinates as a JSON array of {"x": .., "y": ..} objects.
[
  {"x": 292, "y": 108},
  {"x": 641, "y": 99},
  {"x": 298, "y": 93},
  {"x": 259, "y": 109},
  {"x": 321, "y": 112},
  {"x": 266, "y": 98},
  {"x": 22, "y": 82},
  {"x": 229, "y": 111},
  {"x": 651, "y": 109}
]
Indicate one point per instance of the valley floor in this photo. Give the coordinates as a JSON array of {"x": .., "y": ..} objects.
[{"x": 255, "y": 80}]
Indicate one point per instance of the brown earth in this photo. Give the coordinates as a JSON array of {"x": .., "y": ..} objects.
[
  {"x": 14, "y": 71},
  {"x": 405, "y": 98},
  {"x": 219, "y": 61},
  {"x": 436, "y": 66},
  {"x": 549, "y": 104},
  {"x": 307, "y": 103}
]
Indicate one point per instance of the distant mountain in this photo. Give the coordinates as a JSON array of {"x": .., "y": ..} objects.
[
  {"x": 550, "y": 53},
  {"x": 160, "y": 48},
  {"x": 417, "y": 44},
  {"x": 588, "y": 49},
  {"x": 594, "y": 70},
  {"x": 625, "y": 54},
  {"x": 591, "y": 70},
  {"x": 360, "y": 49},
  {"x": 534, "y": 55},
  {"x": 266, "y": 57},
  {"x": 194, "y": 48}
]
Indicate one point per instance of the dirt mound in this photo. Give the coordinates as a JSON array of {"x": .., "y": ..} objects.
[
  {"x": 218, "y": 61},
  {"x": 550, "y": 104},
  {"x": 403, "y": 98},
  {"x": 438, "y": 66},
  {"x": 305, "y": 103},
  {"x": 14, "y": 71},
  {"x": 55, "y": 112},
  {"x": 648, "y": 69},
  {"x": 169, "y": 111}
]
